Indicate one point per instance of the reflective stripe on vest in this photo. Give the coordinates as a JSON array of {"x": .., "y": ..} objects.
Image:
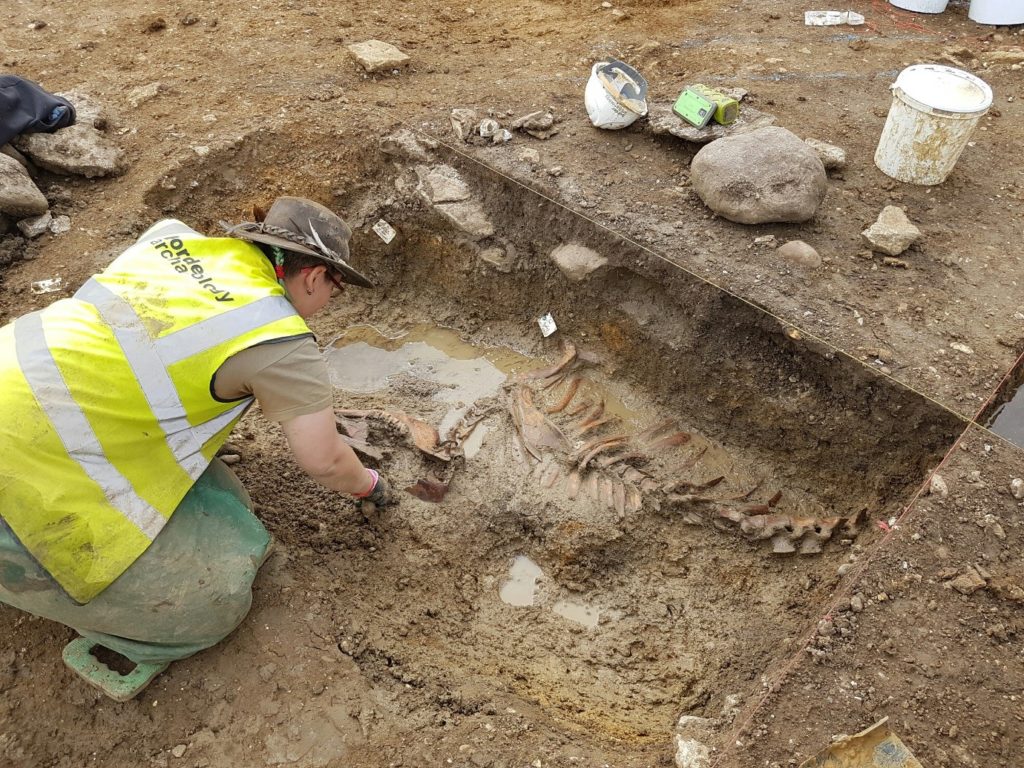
[
  {"x": 109, "y": 414},
  {"x": 73, "y": 428},
  {"x": 149, "y": 359}
]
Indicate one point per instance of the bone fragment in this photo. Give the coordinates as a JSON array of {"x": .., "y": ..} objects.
[
  {"x": 671, "y": 441},
  {"x": 570, "y": 393},
  {"x": 572, "y": 484},
  {"x": 607, "y": 497},
  {"x": 634, "y": 499},
  {"x": 568, "y": 356},
  {"x": 605, "y": 445},
  {"x": 654, "y": 430}
]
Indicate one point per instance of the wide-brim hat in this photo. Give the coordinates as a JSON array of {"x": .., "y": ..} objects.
[{"x": 302, "y": 226}]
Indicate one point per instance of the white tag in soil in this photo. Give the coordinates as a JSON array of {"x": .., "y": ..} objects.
[
  {"x": 385, "y": 231},
  {"x": 547, "y": 325}
]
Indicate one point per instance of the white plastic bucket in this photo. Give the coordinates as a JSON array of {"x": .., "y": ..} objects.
[
  {"x": 921, "y": 6},
  {"x": 997, "y": 11},
  {"x": 615, "y": 96},
  {"x": 934, "y": 111}
]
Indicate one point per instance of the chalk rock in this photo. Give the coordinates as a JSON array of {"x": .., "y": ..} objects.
[
  {"x": 538, "y": 124},
  {"x": 577, "y": 261},
  {"x": 690, "y": 753},
  {"x": 831, "y": 156},
  {"x": 79, "y": 149},
  {"x": 892, "y": 233},
  {"x": 444, "y": 188},
  {"x": 937, "y": 487},
  {"x": 35, "y": 226},
  {"x": 19, "y": 196},
  {"x": 469, "y": 217},
  {"x": 442, "y": 184},
  {"x": 404, "y": 143},
  {"x": 767, "y": 175},
  {"x": 60, "y": 225},
  {"x": 800, "y": 254},
  {"x": 463, "y": 122},
  {"x": 377, "y": 56},
  {"x": 178, "y": 750},
  {"x": 1017, "y": 488}
]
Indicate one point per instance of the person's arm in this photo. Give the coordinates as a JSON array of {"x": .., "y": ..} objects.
[
  {"x": 291, "y": 383},
  {"x": 325, "y": 456}
]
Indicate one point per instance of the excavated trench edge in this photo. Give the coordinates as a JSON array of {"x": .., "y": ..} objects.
[
  {"x": 1001, "y": 393},
  {"x": 820, "y": 347}
]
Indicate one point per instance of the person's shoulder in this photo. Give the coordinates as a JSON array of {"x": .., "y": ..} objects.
[{"x": 168, "y": 228}]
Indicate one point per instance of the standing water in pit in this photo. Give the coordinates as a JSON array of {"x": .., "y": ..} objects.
[{"x": 364, "y": 360}]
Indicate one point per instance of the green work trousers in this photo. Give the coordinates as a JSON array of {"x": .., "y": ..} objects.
[{"x": 188, "y": 591}]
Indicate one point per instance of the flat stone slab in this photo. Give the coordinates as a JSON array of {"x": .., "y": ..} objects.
[
  {"x": 662, "y": 120},
  {"x": 377, "y": 56}
]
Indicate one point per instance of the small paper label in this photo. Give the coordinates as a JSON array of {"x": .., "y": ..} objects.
[
  {"x": 547, "y": 325},
  {"x": 385, "y": 231},
  {"x": 51, "y": 285}
]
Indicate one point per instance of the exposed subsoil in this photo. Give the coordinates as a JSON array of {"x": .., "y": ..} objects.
[{"x": 381, "y": 640}]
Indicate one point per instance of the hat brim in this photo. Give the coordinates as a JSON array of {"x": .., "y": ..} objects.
[{"x": 348, "y": 274}]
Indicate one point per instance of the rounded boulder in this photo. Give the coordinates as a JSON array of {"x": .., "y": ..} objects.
[{"x": 763, "y": 176}]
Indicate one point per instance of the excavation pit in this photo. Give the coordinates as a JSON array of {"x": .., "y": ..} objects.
[{"x": 638, "y": 614}]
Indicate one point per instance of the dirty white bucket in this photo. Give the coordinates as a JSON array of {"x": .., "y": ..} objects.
[
  {"x": 997, "y": 11},
  {"x": 934, "y": 111},
  {"x": 615, "y": 96},
  {"x": 921, "y": 6}
]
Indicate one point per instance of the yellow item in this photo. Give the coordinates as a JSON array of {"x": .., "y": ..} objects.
[
  {"x": 727, "y": 109},
  {"x": 109, "y": 415}
]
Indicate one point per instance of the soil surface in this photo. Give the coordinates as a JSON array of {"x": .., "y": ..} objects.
[{"x": 380, "y": 638}]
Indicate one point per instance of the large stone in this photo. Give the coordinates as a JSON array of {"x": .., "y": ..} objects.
[
  {"x": 377, "y": 56},
  {"x": 19, "y": 196},
  {"x": 469, "y": 217},
  {"x": 442, "y": 184},
  {"x": 763, "y": 176},
  {"x": 577, "y": 261},
  {"x": 79, "y": 150},
  {"x": 892, "y": 233}
]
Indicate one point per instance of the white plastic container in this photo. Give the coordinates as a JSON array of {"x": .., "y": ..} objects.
[
  {"x": 921, "y": 6},
  {"x": 615, "y": 96},
  {"x": 997, "y": 11},
  {"x": 934, "y": 111}
]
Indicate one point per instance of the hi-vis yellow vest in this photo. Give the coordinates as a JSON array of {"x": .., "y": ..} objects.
[{"x": 107, "y": 411}]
